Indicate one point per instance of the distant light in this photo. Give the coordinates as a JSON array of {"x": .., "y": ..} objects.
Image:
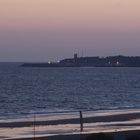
[
  {"x": 49, "y": 62},
  {"x": 117, "y": 63},
  {"x": 58, "y": 61},
  {"x": 109, "y": 62}
]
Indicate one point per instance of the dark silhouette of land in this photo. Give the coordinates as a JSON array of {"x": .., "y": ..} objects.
[{"x": 110, "y": 61}]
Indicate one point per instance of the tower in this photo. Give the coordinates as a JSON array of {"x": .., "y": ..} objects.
[{"x": 75, "y": 58}]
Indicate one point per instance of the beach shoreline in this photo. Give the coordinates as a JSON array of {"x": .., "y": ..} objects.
[
  {"x": 107, "y": 122},
  {"x": 95, "y": 119},
  {"x": 120, "y": 135}
]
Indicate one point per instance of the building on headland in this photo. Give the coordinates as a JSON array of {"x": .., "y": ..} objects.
[{"x": 110, "y": 61}]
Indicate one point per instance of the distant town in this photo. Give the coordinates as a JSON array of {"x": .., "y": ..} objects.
[{"x": 110, "y": 61}]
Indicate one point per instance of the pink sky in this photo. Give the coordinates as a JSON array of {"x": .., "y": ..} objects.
[{"x": 42, "y": 30}]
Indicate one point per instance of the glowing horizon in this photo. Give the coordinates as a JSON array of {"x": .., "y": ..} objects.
[{"x": 33, "y": 30}]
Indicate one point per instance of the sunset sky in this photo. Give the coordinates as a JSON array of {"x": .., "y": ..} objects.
[{"x": 44, "y": 30}]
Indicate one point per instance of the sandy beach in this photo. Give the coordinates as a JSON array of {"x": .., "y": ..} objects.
[
  {"x": 109, "y": 118},
  {"x": 122, "y": 135},
  {"x": 114, "y": 122}
]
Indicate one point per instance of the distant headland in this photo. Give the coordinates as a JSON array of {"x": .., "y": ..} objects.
[{"x": 109, "y": 61}]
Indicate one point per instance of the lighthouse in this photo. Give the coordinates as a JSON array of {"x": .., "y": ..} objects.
[{"x": 75, "y": 58}]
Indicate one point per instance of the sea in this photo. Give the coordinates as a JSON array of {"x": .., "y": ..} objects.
[{"x": 42, "y": 90}]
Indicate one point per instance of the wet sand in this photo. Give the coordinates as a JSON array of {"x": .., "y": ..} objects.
[
  {"x": 70, "y": 128},
  {"x": 109, "y": 118}
]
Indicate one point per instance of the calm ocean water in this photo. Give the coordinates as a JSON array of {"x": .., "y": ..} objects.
[{"x": 41, "y": 90}]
